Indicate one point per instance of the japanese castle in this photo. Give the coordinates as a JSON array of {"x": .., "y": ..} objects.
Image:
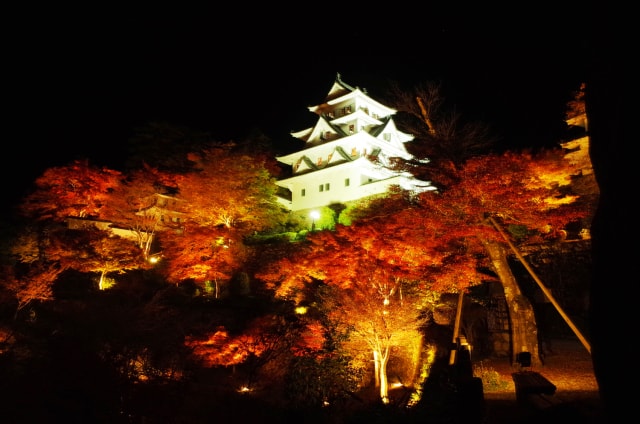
[{"x": 350, "y": 153}]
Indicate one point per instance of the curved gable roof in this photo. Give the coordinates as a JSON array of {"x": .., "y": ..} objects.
[
  {"x": 305, "y": 164},
  {"x": 339, "y": 88}
]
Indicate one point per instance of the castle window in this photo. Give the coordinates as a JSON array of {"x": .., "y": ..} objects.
[
  {"x": 319, "y": 161},
  {"x": 321, "y": 188},
  {"x": 352, "y": 128},
  {"x": 387, "y": 137},
  {"x": 354, "y": 152},
  {"x": 346, "y": 182},
  {"x": 303, "y": 192},
  {"x": 326, "y": 187}
]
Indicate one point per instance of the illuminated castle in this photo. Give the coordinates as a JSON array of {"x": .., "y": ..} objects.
[{"x": 349, "y": 154}]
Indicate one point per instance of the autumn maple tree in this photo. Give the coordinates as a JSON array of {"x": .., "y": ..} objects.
[
  {"x": 203, "y": 255},
  {"x": 137, "y": 207},
  {"x": 374, "y": 290},
  {"x": 490, "y": 192},
  {"x": 47, "y": 247},
  {"x": 267, "y": 339},
  {"x": 102, "y": 253},
  {"x": 29, "y": 273},
  {"x": 78, "y": 190},
  {"x": 227, "y": 196},
  {"x": 231, "y": 188},
  {"x": 32, "y": 283},
  {"x": 481, "y": 190}
]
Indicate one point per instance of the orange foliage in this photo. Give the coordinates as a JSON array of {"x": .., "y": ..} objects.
[
  {"x": 518, "y": 188},
  {"x": 36, "y": 284},
  {"x": 229, "y": 188},
  {"x": 202, "y": 254},
  {"x": 78, "y": 190},
  {"x": 261, "y": 337},
  {"x": 437, "y": 238},
  {"x": 313, "y": 338},
  {"x": 218, "y": 349}
]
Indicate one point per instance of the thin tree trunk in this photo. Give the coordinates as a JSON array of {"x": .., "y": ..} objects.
[
  {"x": 376, "y": 367},
  {"x": 101, "y": 281},
  {"x": 384, "y": 381},
  {"x": 523, "y": 326}
]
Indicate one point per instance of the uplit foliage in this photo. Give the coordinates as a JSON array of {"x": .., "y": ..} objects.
[
  {"x": 437, "y": 240},
  {"x": 227, "y": 196},
  {"x": 104, "y": 254},
  {"x": 369, "y": 289},
  {"x": 135, "y": 206},
  {"x": 202, "y": 254},
  {"x": 223, "y": 348},
  {"x": 379, "y": 320},
  {"x": 512, "y": 189},
  {"x": 218, "y": 349},
  {"x": 78, "y": 190},
  {"x": 519, "y": 188},
  {"x": 262, "y": 346},
  {"x": 42, "y": 256},
  {"x": 26, "y": 248},
  {"x": 33, "y": 284},
  {"x": 230, "y": 188}
]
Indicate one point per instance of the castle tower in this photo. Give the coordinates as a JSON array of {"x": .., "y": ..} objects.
[{"x": 349, "y": 154}]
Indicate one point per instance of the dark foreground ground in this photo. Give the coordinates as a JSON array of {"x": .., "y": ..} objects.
[
  {"x": 50, "y": 399},
  {"x": 569, "y": 367}
]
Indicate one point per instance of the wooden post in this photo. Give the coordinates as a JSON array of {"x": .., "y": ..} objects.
[{"x": 456, "y": 328}]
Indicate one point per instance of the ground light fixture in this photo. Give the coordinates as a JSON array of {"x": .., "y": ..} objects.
[{"x": 314, "y": 217}]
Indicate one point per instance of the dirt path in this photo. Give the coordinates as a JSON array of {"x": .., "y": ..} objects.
[{"x": 568, "y": 366}]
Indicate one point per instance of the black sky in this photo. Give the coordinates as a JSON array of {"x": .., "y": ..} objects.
[{"x": 81, "y": 81}]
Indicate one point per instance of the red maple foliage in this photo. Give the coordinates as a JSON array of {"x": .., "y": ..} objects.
[{"x": 78, "y": 189}]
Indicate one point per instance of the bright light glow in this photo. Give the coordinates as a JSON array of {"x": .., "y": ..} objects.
[
  {"x": 314, "y": 215},
  {"x": 244, "y": 389},
  {"x": 301, "y": 310},
  {"x": 154, "y": 259}
]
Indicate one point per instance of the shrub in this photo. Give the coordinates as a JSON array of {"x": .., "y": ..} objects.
[{"x": 491, "y": 379}]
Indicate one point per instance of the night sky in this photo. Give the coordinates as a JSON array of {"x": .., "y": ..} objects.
[{"x": 81, "y": 81}]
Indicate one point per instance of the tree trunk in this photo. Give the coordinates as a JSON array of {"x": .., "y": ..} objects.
[
  {"x": 384, "y": 381},
  {"x": 523, "y": 327},
  {"x": 101, "y": 281},
  {"x": 376, "y": 367}
]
